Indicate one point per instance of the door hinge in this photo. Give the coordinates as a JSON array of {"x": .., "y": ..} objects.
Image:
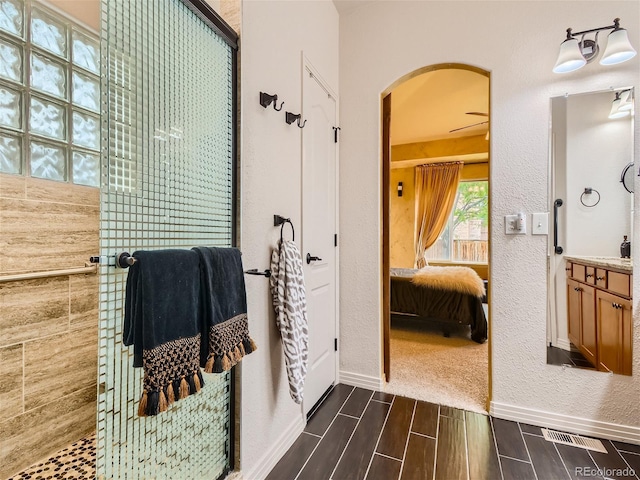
[
  {"x": 335, "y": 344},
  {"x": 335, "y": 240},
  {"x": 335, "y": 134}
]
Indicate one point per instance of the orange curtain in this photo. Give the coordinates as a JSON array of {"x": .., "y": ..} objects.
[{"x": 436, "y": 189}]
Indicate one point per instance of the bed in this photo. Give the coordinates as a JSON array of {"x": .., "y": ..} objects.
[{"x": 435, "y": 304}]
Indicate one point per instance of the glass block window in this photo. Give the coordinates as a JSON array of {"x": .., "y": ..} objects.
[{"x": 49, "y": 95}]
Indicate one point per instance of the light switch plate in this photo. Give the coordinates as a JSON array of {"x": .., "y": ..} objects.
[
  {"x": 515, "y": 224},
  {"x": 540, "y": 223}
]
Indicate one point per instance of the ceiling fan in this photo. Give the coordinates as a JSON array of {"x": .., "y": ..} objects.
[{"x": 480, "y": 114}]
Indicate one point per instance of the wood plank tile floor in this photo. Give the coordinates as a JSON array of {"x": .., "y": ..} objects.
[{"x": 360, "y": 434}]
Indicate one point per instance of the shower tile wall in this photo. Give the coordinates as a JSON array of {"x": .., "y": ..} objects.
[{"x": 48, "y": 327}]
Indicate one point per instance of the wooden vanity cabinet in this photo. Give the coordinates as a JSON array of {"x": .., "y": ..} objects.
[
  {"x": 599, "y": 315},
  {"x": 614, "y": 333},
  {"x": 582, "y": 319}
]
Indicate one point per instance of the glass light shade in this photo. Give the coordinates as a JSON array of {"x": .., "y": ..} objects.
[
  {"x": 626, "y": 102},
  {"x": 618, "y": 48},
  {"x": 615, "y": 110},
  {"x": 570, "y": 57}
]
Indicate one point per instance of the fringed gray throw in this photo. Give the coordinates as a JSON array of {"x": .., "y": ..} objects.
[
  {"x": 162, "y": 321},
  {"x": 290, "y": 304},
  {"x": 224, "y": 304}
]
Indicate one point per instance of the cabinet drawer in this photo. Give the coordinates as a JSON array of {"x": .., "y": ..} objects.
[
  {"x": 568, "y": 268},
  {"x": 579, "y": 272},
  {"x": 601, "y": 278},
  {"x": 590, "y": 275},
  {"x": 618, "y": 283}
]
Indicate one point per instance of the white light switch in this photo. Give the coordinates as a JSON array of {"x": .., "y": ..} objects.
[
  {"x": 515, "y": 224},
  {"x": 540, "y": 223}
]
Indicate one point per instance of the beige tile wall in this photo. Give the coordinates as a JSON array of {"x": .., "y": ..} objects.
[{"x": 48, "y": 327}]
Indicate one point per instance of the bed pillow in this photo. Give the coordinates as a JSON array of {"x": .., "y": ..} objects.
[{"x": 456, "y": 279}]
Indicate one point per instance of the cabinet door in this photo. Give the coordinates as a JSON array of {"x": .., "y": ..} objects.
[
  {"x": 588, "y": 336},
  {"x": 614, "y": 333},
  {"x": 573, "y": 311}
]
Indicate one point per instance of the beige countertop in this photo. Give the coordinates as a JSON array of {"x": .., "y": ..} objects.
[{"x": 625, "y": 264}]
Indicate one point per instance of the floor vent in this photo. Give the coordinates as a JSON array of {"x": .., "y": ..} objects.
[{"x": 574, "y": 440}]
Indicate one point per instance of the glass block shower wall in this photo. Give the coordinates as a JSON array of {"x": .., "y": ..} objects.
[
  {"x": 49, "y": 94},
  {"x": 167, "y": 182}
]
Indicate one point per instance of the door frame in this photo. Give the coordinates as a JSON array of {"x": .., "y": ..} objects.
[
  {"x": 385, "y": 163},
  {"x": 308, "y": 69}
]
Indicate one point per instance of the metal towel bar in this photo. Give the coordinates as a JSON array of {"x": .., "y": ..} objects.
[{"x": 17, "y": 277}]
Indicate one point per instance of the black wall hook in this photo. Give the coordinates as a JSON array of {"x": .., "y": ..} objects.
[
  {"x": 266, "y": 100},
  {"x": 292, "y": 117}
]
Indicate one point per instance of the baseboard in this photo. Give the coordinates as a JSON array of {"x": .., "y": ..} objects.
[
  {"x": 269, "y": 460},
  {"x": 362, "y": 381},
  {"x": 563, "y": 343},
  {"x": 584, "y": 426}
]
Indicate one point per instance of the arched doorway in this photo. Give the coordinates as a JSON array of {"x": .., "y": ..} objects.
[{"x": 436, "y": 114}]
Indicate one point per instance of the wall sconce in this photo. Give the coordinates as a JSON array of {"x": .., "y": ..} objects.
[
  {"x": 399, "y": 189},
  {"x": 574, "y": 55},
  {"x": 621, "y": 105}
]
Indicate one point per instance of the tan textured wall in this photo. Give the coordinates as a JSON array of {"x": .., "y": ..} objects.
[
  {"x": 402, "y": 213},
  {"x": 48, "y": 327}
]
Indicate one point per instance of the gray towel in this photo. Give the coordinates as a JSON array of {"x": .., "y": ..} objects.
[{"x": 290, "y": 304}]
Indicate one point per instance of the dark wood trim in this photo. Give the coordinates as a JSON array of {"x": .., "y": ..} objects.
[
  {"x": 215, "y": 21},
  {"x": 386, "y": 265}
]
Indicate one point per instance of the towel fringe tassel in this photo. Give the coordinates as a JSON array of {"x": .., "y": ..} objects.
[
  {"x": 226, "y": 363},
  {"x": 171, "y": 397},
  {"x": 142, "y": 406},
  {"x": 184, "y": 388},
  {"x": 162, "y": 402}
]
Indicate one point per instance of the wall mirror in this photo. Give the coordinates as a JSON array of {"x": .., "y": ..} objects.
[{"x": 591, "y": 205}]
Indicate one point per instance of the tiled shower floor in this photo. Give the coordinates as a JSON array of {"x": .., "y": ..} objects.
[{"x": 74, "y": 462}]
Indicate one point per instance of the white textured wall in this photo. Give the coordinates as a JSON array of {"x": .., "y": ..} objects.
[
  {"x": 274, "y": 33},
  {"x": 517, "y": 42},
  {"x": 597, "y": 151}
]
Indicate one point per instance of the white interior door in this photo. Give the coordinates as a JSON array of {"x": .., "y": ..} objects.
[{"x": 318, "y": 231}]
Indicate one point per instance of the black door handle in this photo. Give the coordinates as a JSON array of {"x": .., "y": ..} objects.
[{"x": 312, "y": 259}]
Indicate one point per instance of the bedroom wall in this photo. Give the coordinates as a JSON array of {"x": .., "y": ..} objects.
[
  {"x": 402, "y": 218},
  {"x": 274, "y": 36},
  {"x": 518, "y": 43},
  {"x": 402, "y": 213}
]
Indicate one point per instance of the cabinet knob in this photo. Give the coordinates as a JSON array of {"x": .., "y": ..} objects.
[
  {"x": 567, "y": 269},
  {"x": 589, "y": 275},
  {"x": 600, "y": 278}
]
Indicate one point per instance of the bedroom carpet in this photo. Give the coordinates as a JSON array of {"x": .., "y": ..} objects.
[{"x": 427, "y": 366}]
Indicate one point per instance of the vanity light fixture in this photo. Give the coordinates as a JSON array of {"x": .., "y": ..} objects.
[
  {"x": 576, "y": 54},
  {"x": 626, "y": 101},
  {"x": 619, "y": 107}
]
